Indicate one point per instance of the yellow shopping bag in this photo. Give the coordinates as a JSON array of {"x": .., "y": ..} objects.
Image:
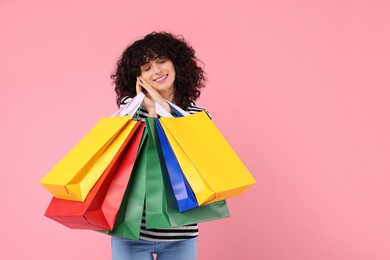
[
  {"x": 212, "y": 168},
  {"x": 78, "y": 171}
]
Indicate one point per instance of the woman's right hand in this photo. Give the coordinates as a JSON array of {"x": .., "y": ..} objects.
[{"x": 148, "y": 103}]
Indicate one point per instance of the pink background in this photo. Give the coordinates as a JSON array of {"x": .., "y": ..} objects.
[{"x": 299, "y": 88}]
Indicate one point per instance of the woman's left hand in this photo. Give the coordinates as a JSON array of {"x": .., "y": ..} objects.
[{"x": 152, "y": 94}]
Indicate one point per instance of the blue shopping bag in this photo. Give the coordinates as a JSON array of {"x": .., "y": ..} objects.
[{"x": 184, "y": 195}]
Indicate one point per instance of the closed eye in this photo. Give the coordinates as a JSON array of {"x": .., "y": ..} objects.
[{"x": 145, "y": 68}]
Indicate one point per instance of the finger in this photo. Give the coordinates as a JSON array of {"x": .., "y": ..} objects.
[
  {"x": 144, "y": 83},
  {"x": 138, "y": 87}
]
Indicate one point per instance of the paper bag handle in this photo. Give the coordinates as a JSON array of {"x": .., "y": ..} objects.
[
  {"x": 164, "y": 113},
  {"x": 131, "y": 107},
  {"x": 134, "y": 104}
]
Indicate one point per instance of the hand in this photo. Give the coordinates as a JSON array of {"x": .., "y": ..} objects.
[
  {"x": 147, "y": 103},
  {"x": 152, "y": 96}
]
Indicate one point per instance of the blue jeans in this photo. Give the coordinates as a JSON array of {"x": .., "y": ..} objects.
[{"x": 125, "y": 249}]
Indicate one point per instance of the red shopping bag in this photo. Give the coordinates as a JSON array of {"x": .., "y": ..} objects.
[{"x": 99, "y": 210}]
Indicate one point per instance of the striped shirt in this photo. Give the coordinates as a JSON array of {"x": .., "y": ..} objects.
[{"x": 166, "y": 234}]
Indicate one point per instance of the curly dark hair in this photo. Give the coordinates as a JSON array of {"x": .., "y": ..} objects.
[{"x": 190, "y": 77}]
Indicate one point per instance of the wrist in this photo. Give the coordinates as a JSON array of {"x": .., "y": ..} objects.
[{"x": 152, "y": 112}]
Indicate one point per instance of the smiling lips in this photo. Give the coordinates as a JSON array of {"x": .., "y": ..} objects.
[{"x": 161, "y": 79}]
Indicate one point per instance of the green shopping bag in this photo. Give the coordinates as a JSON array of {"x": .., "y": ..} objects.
[
  {"x": 149, "y": 182},
  {"x": 161, "y": 205}
]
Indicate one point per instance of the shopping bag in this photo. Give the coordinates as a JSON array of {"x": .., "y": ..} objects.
[
  {"x": 161, "y": 206},
  {"x": 139, "y": 197},
  {"x": 77, "y": 172},
  {"x": 184, "y": 195},
  {"x": 212, "y": 168},
  {"x": 129, "y": 217},
  {"x": 99, "y": 210}
]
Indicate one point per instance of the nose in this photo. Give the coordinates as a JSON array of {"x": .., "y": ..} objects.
[{"x": 157, "y": 69}]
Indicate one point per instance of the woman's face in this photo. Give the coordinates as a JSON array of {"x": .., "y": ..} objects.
[{"x": 160, "y": 74}]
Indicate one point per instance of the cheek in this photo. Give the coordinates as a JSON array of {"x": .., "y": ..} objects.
[
  {"x": 146, "y": 75},
  {"x": 173, "y": 73},
  {"x": 172, "y": 70}
]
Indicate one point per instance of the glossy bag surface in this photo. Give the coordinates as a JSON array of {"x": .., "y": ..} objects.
[
  {"x": 76, "y": 173},
  {"x": 212, "y": 168},
  {"x": 99, "y": 210}
]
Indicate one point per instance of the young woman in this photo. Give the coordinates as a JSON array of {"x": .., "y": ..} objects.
[{"x": 164, "y": 67}]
